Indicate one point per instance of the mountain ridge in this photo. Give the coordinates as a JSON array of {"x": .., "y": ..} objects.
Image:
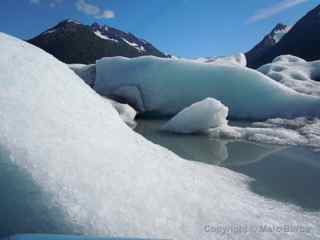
[
  {"x": 302, "y": 40},
  {"x": 73, "y": 42}
]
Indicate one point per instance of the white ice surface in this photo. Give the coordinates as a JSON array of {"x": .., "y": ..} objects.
[
  {"x": 297, "y": 132},
  {"x": 109, "y": 180},
  {"x": 295, "y": 73},
  {"x": 238, "y": 59},
  {"x": 210, "y": 116},
  {"x": 166, "y": 86},
  {"x": 199, "y": 117}
]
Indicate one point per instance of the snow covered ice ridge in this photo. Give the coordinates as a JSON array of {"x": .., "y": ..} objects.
[
  {"x": 295, "y": 73},
  {"x": 163, "y": 87},
  {"x": 108, "y": 180},
  {"x": 238, "y": 59}
]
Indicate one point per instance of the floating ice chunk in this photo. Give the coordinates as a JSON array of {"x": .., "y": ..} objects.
[
  {"x": 86, "y": 72},
  {"x": 108, "y": 180},
  {"x": 166, "y": 86},
  {"x": 209, "y": 116},
  {"x": 300, "y": 131},
  {"x": 295, "y": 73},
  {"x": 199, "y": 117}
]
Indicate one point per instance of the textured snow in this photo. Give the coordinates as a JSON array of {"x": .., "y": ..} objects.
[
  {"x": 199, "y": 117},
  {"x": 295, "y": 73},
  {"x": 100, "y": 35},
  {"x": 109, "y": 180},
  {"x": 86, "y": 72},
  {"x": 166, "y": 86}
]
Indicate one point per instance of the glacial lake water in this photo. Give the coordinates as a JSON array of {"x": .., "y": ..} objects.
[{"x": 284, "y": 173}]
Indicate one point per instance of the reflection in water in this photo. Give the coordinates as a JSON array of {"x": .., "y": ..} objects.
[
  {"x": 203, "y": 148},
  {"x": 290, "y": 175},
  {"x": 192, "y": 146},
  {"x": 287, "y": 174}
]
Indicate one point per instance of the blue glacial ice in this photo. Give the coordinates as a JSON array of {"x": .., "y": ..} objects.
[
  {"x": 295, "y": 73},
  {"x": 161, "y": 87}
]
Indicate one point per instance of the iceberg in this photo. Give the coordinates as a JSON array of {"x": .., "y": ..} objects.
[
  {"x": 106, "y": 179},
  {"x": 296, "y": 132},
  {"x": 86, "y": 72},
  {"x": 210, "y": 116},
  {"x": 199, "y": 117},
  {"x": 295, "y": 73},
  {"x": 163, "y": 87}
]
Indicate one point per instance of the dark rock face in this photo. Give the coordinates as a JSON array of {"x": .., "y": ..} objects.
[
  {"x": 73, "y": 42},
  {"x": 256, "y": 54},
  {"x": 303, "y": 40}
]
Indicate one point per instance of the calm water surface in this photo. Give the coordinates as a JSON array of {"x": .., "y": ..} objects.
[{"x": 288, "y": 174}]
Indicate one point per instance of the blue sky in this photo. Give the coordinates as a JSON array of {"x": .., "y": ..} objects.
[{"x": 185, "y": 28}]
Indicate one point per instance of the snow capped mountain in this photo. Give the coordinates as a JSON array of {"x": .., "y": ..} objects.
[
  {"x": 72, "y": 42},
  {"x": 113, "y": 34},
  {"x": 279, "y": 31},
  {"x": 302, "y": 41},
  {"x": 267, "y": 42}
]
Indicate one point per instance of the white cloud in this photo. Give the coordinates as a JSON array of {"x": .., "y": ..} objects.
[
  {"x": 93, "y": 10},
  {"x": 51, "y": 3},
  {"x": 268, "y": 12},
  {"x": 106, "y": 14},
  {"x": 87, "y": 8}
]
